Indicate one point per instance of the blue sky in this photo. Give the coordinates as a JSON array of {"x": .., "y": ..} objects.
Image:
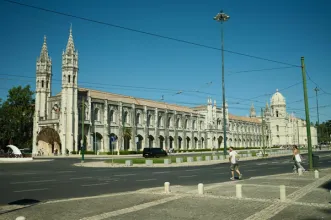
[{"x": 108, "y": 56}]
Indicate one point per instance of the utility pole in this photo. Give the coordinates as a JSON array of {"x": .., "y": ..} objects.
[
  {"x": 263, "y": 144},
  {"x": 222, "y": 17},
  {"x": 310, "y": 152},
  {"x": 82, "y": 141},
  {"x": 318, "y": 115}
]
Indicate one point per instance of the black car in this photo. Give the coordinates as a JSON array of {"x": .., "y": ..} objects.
[{"x": 154, "y": 152}]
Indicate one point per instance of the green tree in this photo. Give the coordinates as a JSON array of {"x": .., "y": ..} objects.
[
  {"x": 16, "y": 118},
  {"x": 324, "y": 130}
]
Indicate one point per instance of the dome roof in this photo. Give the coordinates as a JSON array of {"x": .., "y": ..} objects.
[{"x": 278, "y": 99}]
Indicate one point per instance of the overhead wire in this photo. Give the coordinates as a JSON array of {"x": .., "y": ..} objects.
[{"x": 146, "y": 33}]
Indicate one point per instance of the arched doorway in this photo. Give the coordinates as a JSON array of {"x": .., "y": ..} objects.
[
  {"x": 97, "y": 140},
  {"x": 48, "y": 141},
  {"x": 112, "y": 142},
  {"x": 171, "y": 141},
  {"x": 195, "y": 142},
  {"x": 80, "y": 142},
  {"x": 180, "y": 142},
  {"x": 220, "y": 139},
  {"x": 202, "y": 143},
  {"x": 161, "y": 141},
  {"x": 150, "y": 141},
  {"x": 139, "y": 142},
  {"x": 188, "y": 142}
]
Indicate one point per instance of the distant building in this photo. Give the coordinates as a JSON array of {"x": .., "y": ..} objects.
[{"x": 136, "y": 123}]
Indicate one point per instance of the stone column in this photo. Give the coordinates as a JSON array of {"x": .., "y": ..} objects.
[
  {"x": 133, "y": 130},
  {"x": 145, "y": 127},
  {"x": 120, "y": 140},
  {"x": 106, "y": 146}
]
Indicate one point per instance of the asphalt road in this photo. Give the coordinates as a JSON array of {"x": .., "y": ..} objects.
[{"x": 59, "y": 179}]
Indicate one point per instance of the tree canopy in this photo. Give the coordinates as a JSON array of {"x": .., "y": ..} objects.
[{"x": 16, "y": 117}]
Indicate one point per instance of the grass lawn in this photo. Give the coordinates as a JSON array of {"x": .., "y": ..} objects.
[{"x": 155, "y": 160}]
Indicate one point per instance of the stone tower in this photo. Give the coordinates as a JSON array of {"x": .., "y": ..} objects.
[
  {"x": 69, "y": 94},
  {"x": 252, "y": 112},
  {"x": 43, "y": 89}
]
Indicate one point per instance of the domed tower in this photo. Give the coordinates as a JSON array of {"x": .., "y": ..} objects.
[{"x": 278, "y": 105}]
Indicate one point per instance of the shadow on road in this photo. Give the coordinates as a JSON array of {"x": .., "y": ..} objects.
[{"x": 26, "y": 203}]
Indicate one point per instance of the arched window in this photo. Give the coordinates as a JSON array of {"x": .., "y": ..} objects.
[
  {"x": 193, "y": 125},
  {"x": 200, "y": 125},
  {"x": 111, "y": 116},
  {"x": 69, "y": 79},
  {"x": 96, "y": 115},
  {"x": 160, "y": 122},
  {"x": 47, "y": 84},
  {"x": 149, "y": 118},
  {"x": 74, "y": 80},
  {"x": 126, "y": 118},
  {"x": 178, "y": 123},
  {"x": 138, "y": 118},
  {"x": 186, "y": 123},
  {"x": 42, "y": 83},
  {"x": 169, "y": 122},
  {"x": 277, "y": 113},
  {"x": 277, "y": 126}
]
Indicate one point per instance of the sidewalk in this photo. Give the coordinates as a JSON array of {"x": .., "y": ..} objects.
[{"x": 260, "y": 200}]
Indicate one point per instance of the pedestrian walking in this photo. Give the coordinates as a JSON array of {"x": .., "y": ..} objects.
[
  {"x": 297, "y": 159},
  {"x": 234, "y": 166}
]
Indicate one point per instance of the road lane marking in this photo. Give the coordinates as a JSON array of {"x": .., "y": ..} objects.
[
  {"x": 129, "y": 174},
  {"x": 145, "y": 180},
  {"x": 36, "y": 181},
  {"x": 30, "y": 190},
  {"x": 18, "y": 174},
  {"x": 66, "y": 171},
  {"x": 95, "y": 184},
  {"x": 261, "y": 164},
  {"x": 275, "y": 162},
  {"x": 192, "y": 170},
  {"x": 80, "y": 178},
  {"x": 187, "y": 176},
  {"x": 221, "y": 173},
  {"x": 161, "y": 172}
]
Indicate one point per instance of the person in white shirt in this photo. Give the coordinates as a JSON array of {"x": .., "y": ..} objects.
[
  {"x": 297, "y": 160},
  {"x": 233, "y": 158}
]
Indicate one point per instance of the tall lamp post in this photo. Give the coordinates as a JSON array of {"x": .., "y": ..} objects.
[
  {"x": 222, "y": 17},
  {"x": 318, "y": 116}
]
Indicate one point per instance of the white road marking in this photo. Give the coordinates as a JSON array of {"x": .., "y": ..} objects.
[
  {"x": 36, "y": 181},
  {"x": 30, "y": 190},
  {"x": 129, "y": 174},
  {"x": 145, "y": 180},
  {"x": 18, "y": 174},
  {"x": 79, "y": 178},
  {"x": 66, "y": 171},
  {"x": 220, "y": 173},
  {"x": 95, "y": 184},
  {"x": 192, "y": 170},
  {"x": 187, "y": 176},
  {"x": 275, "y": 162},
  {"x": 261, "y": 164},
  {"x": 161, "y": 172}
]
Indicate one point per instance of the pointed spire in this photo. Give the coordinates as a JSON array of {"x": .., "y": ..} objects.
[
  {"x": 70, "y": 45},
  {"x": 266, "y": 106},
  {"x": 44, "y": 51}
]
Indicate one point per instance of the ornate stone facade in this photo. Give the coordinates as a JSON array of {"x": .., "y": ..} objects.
[{"x": 136, "y": 123}]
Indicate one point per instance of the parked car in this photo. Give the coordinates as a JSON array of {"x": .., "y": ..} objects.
[{"x": 154, "y": 152}]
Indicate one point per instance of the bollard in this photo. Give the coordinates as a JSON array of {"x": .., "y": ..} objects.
[
  {"x": 20, "y": 218},
  {"x": 300, "y": 172},
  {"x": 282, "y": 193},
  {"x": 317, "y": 175},
  {"x": 239, "y": 191},
  {"x": 167, "y": 187},
  {"x": 200, "y": 188}
]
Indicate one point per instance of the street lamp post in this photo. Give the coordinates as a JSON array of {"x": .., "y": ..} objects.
[
  {"x": 222, "y": 17},
  {"x": 318, "y": 116}
]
